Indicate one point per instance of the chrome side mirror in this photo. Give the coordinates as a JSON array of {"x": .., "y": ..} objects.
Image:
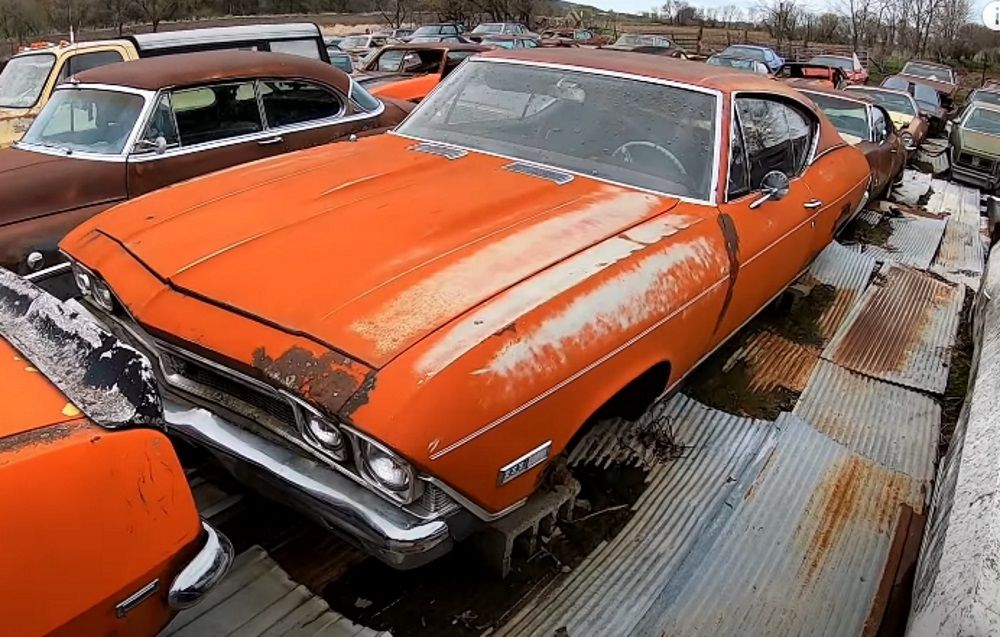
[{"x": 774, "y": 185}]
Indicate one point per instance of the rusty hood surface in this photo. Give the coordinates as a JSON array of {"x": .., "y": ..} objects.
[
  {"x": 35, "y": 184},
  {"x": 363, "y": 247}
]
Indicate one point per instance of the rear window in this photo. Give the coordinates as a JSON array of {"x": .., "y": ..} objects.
[
  {"x": 745, "y": 52},
  {"x": 927, "y": 71},
  {"x": 891, "y": 102},
  {"x": 850, "y": 118},
  {"x": 981, "y": 120},
  {"x": 22, "y": 80},
  {"x": 308, "y": 48}
]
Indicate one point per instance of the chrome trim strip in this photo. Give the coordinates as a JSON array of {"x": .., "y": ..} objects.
[
  {"x": 204, "y": 571},
  {"x": 126, "y": 606},
  {"x": 475, "y": 509},
  {"x": 48, "y": 273},
  {"x": 713, "y": 187},
  {"x": 502, "y": 419},
  {"x": 530, "y": 460}
]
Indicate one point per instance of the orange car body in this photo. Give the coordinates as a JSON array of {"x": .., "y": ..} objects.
[
  {"x": 99, "y": 526},
  {"x": 466, "y": 326}
]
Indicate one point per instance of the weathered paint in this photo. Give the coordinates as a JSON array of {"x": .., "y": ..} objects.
[{"x": 326, "y": 380}]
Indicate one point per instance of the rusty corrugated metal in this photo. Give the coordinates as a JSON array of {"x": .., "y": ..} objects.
[
  {"x": 257, "y": 599},
  {"x": 914, "y": 240},
  {"x": 901, "y": 331},
  {"x": 799, "y": 548},
  {"x": 890, "y": 425},
  {"x": 846, "y": 269},
  {"x": 954, "y": 200},
  {"x": 914, "y": 186},
  {"x": 961, "y": 258},
  {"x": 609, "y": 592},
  {"x": 774, "y": 361}
]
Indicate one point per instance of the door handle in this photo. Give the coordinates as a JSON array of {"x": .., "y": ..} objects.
[
  {"x": 271, "y": 140},
  {"x": 893, "y": 150},
  {"x": 813, "y": 204}
]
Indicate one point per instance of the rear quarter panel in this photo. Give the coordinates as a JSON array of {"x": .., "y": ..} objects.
[{"x": 533, "y": 363}]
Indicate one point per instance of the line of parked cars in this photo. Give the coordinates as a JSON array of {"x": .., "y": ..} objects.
[{"x": 398, "y": 334}]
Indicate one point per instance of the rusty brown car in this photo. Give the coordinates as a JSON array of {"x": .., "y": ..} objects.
[
  {"x": 867, "y": 126},
  {"x": 902, "y": 108},
  {"x": 119, "y": 131},
  {"x": 572, "y": 37}
]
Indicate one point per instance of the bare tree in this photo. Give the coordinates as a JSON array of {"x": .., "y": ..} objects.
[
  {"x": 156, "y": 11},
  {"x": 856, "y": 13},
  {"x": 396, "y": 13},
  {"x": 780, "y": 18}
]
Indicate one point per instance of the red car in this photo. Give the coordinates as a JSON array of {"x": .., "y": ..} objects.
[{"x": 849, "y": 64}]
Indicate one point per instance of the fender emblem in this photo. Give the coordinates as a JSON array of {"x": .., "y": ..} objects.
[{"x": 528, "y": 461}]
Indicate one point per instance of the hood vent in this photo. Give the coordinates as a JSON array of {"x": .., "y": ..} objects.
[
  {"x": 555, "y": 176},
  {"x": 448, "y": 152}
]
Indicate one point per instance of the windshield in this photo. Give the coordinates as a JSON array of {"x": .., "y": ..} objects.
[
  {"x": 341, "y": 60},
  {"x": 22, "y": 80},
  {"x": 928, "y": 71},
  {"x": 926, "y": 96},
  {"x": 489, "y": 28},
  {"x": 893, "y": 102},
  {"x": 503, "y": 44},
  {"x": 744, "y": 64},
  {"x": 745, "y": 52},
  {"x": 86, "y": 120},
  {"x": 638, "y": 133},
  {"x": 354, "y": 42},
  {"x": 431, "y": 29},
  {"x": 845, "y": 64},
  {"x": 850, "y": 118},
  {"x": 986, "y": 97},
  {"x": 981, "y": 120}
]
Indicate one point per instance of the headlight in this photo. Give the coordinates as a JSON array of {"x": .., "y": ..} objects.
[
  {"x": 84, "y": 279},
  {"x": 390, "y": 471},
  {"x": 102, "y": 295},
  {"x": 326, "y": 435},
  {"x": 907, "y": 139}
]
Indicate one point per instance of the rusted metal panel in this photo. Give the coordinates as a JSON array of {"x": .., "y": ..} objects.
[
  {"x": 901, "y": 331},
  {"x": 954, "y": 200},
  {"x": 848, "y": 271},
  {"x": 609, "y": 592},
  {"x": 258, "y": 598},
  {"x": 890, "y": 425},
  {"x": 914, "y": 187},
  {"x": 773, "y": 361},
  {"x": 961, "y": 257},
  {"x": 799, "y": 548},
  {"x": 914, "y": 240}
]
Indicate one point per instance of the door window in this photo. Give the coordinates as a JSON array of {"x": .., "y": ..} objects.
[
  {"x": 306, "y": 48},
  {"x": 288, "y": 102},
  {"x": 86, "y": 61},
  {"x": 161, "y": 124},
  {"x": 777, "y": 137},
  {"x": 739, "y": 173},
  {"x": 880, "y": 127},
  {"x": 212, "y": 113}
]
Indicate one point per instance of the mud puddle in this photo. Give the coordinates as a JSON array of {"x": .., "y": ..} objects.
[{"x": 460, "y": 596}]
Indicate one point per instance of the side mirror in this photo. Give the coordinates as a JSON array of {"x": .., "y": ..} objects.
[
  {"x": 161, "y": 145},
  {"x": 774, "y": 185}
]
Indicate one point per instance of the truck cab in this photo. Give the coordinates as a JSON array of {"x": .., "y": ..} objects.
[{"x": 29, "y": 78}]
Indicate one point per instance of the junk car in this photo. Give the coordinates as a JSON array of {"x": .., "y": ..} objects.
[{"x": 404, "y": 362}]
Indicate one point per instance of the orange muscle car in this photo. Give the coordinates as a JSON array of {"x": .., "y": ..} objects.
[
  {"x": 100, "y": 532},
  {"x": 403, "y": 360}
]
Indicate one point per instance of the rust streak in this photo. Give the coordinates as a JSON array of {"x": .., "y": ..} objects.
[
  {"x": 42, "y": 436},
  {"x": 324, "y": 380},
  {"x": 732, "y": 239}
]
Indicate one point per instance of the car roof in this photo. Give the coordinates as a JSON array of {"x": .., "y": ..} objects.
[
  {"x": 186, "y": 69},
  {"x": 832, "y": 55},
  {"x": 986, "y": 106},
  {"x": 214, "y": 35},
  {"x": 652, "y": 66},
  {"x": 929, "y": 63},
  {"x": 749, "y": 46}
]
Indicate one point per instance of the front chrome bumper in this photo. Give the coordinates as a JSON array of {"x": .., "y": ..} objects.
[
  {"x": 203, "y": 572},
  {"x": 395, "y": 536}
]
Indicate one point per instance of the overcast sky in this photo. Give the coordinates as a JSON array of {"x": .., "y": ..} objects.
[{"x": 638, "y": 6}]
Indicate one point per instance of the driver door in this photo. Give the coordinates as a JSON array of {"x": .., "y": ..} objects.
[{"x": 772, "y": 238}]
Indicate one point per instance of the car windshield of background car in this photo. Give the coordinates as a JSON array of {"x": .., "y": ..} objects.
[
  {"x": 981, "y": 120},
  {"x": 850, "y": 118},
  {"x": 22, "y": 80}
]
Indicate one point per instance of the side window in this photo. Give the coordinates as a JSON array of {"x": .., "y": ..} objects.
[
  {"x": 305, "y": 48},
  {"x": 212, "y": 113},
  {"x": 390, "y": 60},
  {"x": 880, "y": 127},
  {"x": 530, "y": 44},
  {"x": 450, "y": 30},
  {"x": 777, "y": 137},
  {"x": 86, "y": 61},
  {"x": 739, "y": 175},
  {"x": 161, "y": 124},
  {"x": 294, "y": 102}
]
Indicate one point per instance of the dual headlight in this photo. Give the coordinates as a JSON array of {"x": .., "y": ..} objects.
[{"x": 93, "y": 287}]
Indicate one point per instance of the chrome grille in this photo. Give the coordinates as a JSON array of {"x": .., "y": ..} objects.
[
  {"x": 448, "y": 152},
  {"x": 433, "y": 502},
  {"x": 555, "y": 176}
]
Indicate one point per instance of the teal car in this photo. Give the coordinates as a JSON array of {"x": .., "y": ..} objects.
[{"x": 975, "y": 146}]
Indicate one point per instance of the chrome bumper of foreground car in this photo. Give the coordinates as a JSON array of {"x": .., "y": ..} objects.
[
  {"x": 391, "y": 534},
  {"x": 203, "y": 572}
]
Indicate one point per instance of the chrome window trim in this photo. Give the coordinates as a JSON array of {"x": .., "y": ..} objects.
[
  {"x": 716, "y": 152},
  {"x": 140, "y": 124}
]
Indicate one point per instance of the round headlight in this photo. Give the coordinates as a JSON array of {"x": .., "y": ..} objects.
[
  {"x": 84, "y": 280},
  {"x": 391, "y": 472},
  {"x": 907, "y": 139},
  {"x": 326, "y": 434},
  {"x": 102, "y": 296}
]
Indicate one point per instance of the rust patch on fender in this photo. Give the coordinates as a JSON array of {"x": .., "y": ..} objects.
[
  {"x": 327, "y": 380},
  {"x": 732, "y": 239},
  {"x": 41, "y": 436}
]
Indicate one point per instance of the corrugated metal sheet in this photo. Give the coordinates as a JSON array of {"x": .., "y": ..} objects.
[
  {"x": 608, "y": 593},
  {"x": 954, "y": 200},
  {"x": 890, "y": 425},
  {"x": 258, "y": 599},
  {"x": 914, "y": 240},
  {"x": 914, "y": 186},
  {"x": 773, "y": 361},
  {"x": 901, "y": 331},
  {"x": 961, "y": 258},
  {"x": 799, "y": 551},
  {"x": 849, "y": 271}
]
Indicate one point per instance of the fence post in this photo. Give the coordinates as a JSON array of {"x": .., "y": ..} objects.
[{"x": 698, "y": 46}]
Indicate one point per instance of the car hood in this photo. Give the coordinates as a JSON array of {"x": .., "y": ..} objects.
[
  {"x": 28, "y": 401},
  {"x": 26, "y": 179},
  {"x": 979, "y": 143},
  {"x": 365, "y": 247}
]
